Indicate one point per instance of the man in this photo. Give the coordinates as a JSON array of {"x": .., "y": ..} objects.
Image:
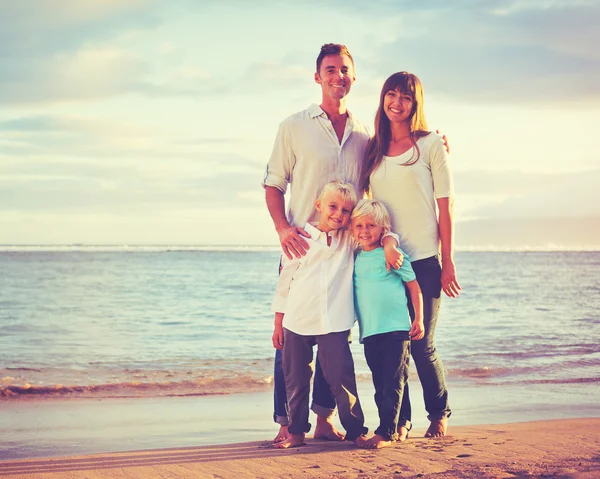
[{"x": 313, "y": 147}]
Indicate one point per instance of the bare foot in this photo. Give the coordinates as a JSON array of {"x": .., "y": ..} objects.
[
  {"x": 282, "y": 434},
  {"x": 378, "y": 442},
  {"x": 293, "y": 440},
  {"x": 325, "y": 430},
  {"x": 402, "y": 434},
  {"x": 362, "y": 442},
  {"x": 437, "y": 428}
]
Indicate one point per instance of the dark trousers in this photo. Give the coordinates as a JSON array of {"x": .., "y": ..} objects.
[
  {"x": 429, "y": 365},
  {"x": 323, "y": 402},
  {"x": 338, "y": 369},
  {"x": 388, "y": 357}
]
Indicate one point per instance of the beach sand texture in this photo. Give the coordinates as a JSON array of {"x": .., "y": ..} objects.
[{"x": 559, "y": 449}]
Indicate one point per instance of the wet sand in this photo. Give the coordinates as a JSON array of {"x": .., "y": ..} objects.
[{"x": 562, "y": 449}]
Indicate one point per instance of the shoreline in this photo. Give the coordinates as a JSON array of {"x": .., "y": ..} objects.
[
  {"x": 53, "y": 427},
  {"x": 560, "y": 448}
]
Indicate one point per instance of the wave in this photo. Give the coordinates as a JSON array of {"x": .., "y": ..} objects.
[
  {"x": 132, "y": 248},
  {"x": 201, "y": 387},
  {"x": 249, "y": 248},
  {"x": 242, "y": 383}
]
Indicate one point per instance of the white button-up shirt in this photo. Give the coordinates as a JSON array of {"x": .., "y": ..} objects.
[
  {"x": 307, "y": 155},
  {"x": 315, "y": 291}
]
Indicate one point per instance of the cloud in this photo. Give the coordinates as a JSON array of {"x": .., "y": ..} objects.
[
  {"x": 474, "y": 52},
  {"x": 73, "y": 163},
  {"x": 515, "y": 182},
  {"x": 75, "y": 188},
  {"x": 86, "y": 74},
  {"x": 38, "y": 28},
  {"x": 532, "y": 195},
  {"x": 115, "y": 143}
]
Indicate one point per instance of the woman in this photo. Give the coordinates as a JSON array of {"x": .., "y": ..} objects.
[{"x": 406, "y": 168}]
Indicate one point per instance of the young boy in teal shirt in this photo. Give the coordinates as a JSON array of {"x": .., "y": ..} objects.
[{"x": 383, "y": 317}]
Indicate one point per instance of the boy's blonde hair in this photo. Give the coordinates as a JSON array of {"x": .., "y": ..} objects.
[
  {"x": 346, "y": 190},
  {"x": 375, "y": 210}
]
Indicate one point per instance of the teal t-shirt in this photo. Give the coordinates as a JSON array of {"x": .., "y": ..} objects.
[{"x": 379, "y": 295}]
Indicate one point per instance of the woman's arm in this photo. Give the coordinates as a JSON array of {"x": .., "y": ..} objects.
[
  {"x": 446, "y": 227},
  {"x": 417, "y": 330}
]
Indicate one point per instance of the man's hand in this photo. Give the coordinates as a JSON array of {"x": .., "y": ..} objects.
[
  {"x": 278, "y": 337},
  {"x": 278, "y": 331},
  {"x": 417, "y": 330},
  {"x": 293, "y": 242},
  {"x": 446, "y": 144}
]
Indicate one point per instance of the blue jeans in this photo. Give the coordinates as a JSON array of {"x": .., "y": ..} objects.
[
  {"x": 323, "y": 402},
  {"x": 429, "y": 365},
  {"x": 388, "y": 357}
]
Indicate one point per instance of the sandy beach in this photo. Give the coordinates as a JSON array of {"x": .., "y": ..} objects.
[{"x": 561, "y": 448}]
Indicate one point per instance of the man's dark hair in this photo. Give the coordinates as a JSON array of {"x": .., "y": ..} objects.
[{"x": 333, "y": 49}]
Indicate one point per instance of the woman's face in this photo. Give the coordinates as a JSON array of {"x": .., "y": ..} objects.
[{"x": 398, "y": 106}]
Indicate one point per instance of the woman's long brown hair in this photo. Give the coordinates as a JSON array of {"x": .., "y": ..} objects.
[{"x": 406, "y": 84}]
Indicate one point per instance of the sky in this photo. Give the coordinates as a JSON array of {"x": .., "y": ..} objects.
[{"x": 151, "y": 122}]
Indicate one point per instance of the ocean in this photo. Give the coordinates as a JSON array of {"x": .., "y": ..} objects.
[
  {"x": 121, "y": 348},
  {"x": 167, "y": 321}
]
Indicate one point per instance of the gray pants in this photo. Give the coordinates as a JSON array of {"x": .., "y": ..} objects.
[{"x": 338, "y": 368}]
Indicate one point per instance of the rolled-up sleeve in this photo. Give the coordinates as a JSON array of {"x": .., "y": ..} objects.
[
  {"x": 281, "y": 164},
  {"x": 441, "y": 172},
  {"x": 282, "y": 289}
]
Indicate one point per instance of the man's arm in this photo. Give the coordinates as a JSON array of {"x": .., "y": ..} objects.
[
  {"x": 278, "y": 331},
  {"x": 290, "y": 237},
  {"x": 446, "y": 227},
  {"x": 446, "y": 144}
]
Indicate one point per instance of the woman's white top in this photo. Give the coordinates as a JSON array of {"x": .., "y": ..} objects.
[{"x": 410, "y": 194}]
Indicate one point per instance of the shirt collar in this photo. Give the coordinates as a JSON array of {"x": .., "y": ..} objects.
[
  {"x": 315, "y": 110},
  {"x": 315, "y": 233}
]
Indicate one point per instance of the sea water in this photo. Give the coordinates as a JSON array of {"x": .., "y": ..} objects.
[{"x": 170, "y": 321}]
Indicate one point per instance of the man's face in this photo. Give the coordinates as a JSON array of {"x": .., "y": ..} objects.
[{"x": 335, "y": 76}]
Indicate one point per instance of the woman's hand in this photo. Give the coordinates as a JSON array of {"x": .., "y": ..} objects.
[
  {"x": 450, "y": 284},
  {"x": 393, "y": 256}
]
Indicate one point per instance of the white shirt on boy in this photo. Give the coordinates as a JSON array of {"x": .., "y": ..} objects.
[{"x": 315, "y": 291}]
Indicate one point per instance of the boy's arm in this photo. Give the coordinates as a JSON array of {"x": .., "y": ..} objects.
[
  {"x": 417, "y": 330},
  {"x": 282, "y": 289},
  {"x": 278, "y": 331},
  {"x": 393, "y": 256}
]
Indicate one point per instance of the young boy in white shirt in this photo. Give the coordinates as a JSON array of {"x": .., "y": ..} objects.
[{"x": 314, "y": 305}]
